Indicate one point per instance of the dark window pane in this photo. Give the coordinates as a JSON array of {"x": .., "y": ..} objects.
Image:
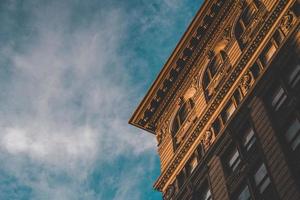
[
  {"x": 206, "y": 79},
  {"x": 249, "y": 138},
  {"x": 216, "y": 126},
  {"x": 278, "y": 99},
  {"x": 294, "y": 75},
  {"x": 245, "y": 194},
  {"x": 292, "y": 134},
  {"x": 278, "y": 37},
  {"x": 205, "y": 193},
  {"x": 183, "y": 112},
  {"x": 180, "y": 179},
  {"x": 214, "y": 65},
  {"x": 262, "y": 181},
  {"x": 234, "y": 160},
  {"x": 237, "y": 96},
  {"x": 255, "y": 70},
  {"x": 175, "y": 126},
  {"x": 248, "y": 13},
  {"x": 239, "y": 30},
  {"x": 181, "y": 115}
]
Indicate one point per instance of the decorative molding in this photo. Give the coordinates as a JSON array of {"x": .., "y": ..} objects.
[
  {"x": 207, "y": 139},
  {"x": 166, "y": 174},
  {"x": 205, "y": 44},
  {"x": 287, "y": 22},
  {"x": 148, "y": 115},
  {"x": 169, "y": 192},
  {"x": 245, "y": 82}
]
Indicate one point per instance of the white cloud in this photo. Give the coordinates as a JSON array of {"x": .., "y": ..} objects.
[
  {"x": 67, "y": 101},
  {"x": 67, "y": 104}
]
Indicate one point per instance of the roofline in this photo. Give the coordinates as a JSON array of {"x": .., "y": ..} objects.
[{"x": 164, "y": 70}]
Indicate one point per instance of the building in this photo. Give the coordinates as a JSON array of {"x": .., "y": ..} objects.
[{"x": 225, "y": 107}]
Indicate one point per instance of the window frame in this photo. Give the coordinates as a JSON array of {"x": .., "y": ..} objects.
[{"x": 261, "y": 182}]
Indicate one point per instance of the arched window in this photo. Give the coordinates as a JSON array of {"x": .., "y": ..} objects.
[
  {"x": 181, "y": 115},
  {"x": 210, "y": 72},
  {"x": 250, "y": 9}
]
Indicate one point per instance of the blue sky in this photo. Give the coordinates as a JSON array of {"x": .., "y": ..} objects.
[{"x": 71, "y": 74}]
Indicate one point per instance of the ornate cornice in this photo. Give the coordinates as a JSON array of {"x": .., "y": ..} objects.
[
  {"x": 178, "y": 66},
  {"x": 215, "y": 102}
]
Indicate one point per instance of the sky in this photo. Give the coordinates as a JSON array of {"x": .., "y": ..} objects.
[{"x": 71, "y": 74}]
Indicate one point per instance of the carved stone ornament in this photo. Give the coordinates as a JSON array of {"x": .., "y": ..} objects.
[
  {"x": 246, "y": 82},
  {"x": 226, "y": 33},
  {"x": 210, "y": 54},
  {"x": 163, "y": 131},
  {"x": 159, "y": 137},
  {"x": 207, "y": 139},
  {"x": 195, "y": 82},
  {"x": 169, "y": 192},
  {"x": 180, "y": 101},
  {"x": 287, "y": 21}
]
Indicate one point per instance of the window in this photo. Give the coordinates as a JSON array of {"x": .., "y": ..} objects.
[
  {"x": 255, "y": 70},
  {"x": 278, "y": 36},
  {"x": 234, "y": 160},
  {"x": 216, "y": 126},
  {"x": 278, "y": 98},
  {"x": 205, "y": 193},
  {"x": 192, "y": 164},
  {"x": 228, "y": 111},
  {"x": 180, "y": 179},
  {"x": 212, "y": 70},
  {"x": 248, "y": 138},
  {"x": 268, "y": 53},
  {"x": 261, "y": 178},
  {"x": 244, "y": 194},
  {"x": 247, "y": 15},
  {"x": 292, "y": 134},
  {"x": 245, "y": 20},
  {"x": 238, "y": 96},
  {"x": 181, "y": 115},
  {"x": 294, "y": 75}
]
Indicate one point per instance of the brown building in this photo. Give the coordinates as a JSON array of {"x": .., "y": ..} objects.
[{"x": 225, "y": 107}]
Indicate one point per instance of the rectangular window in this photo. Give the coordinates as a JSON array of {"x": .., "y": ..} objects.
[
  {"x": 244, "y": 194},
  {"x": 228, "y": 111},
  {"x": 216, "y": 126},
  {"x": 278, "y": 98},
  {"x": 278, "y": 37},
  {"x": 248, "y": 138},
  {"x": 294, "y": 76},
  {"x": 234, "y": 160},
  {"x": 248, "y": 14},
  {"x": 180, "y": 179},
  {"x": 192, "y": 164},
  {"x": 268, "y": 53},
  {"x": 292, "y": 134},
  {"x": 255, "y": 70},
  {"x": 261, "y": 178},
  {"x": 205, "y": 193}
]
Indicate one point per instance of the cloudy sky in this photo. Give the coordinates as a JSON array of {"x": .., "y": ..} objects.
[{"x": 71, "y": 74}]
